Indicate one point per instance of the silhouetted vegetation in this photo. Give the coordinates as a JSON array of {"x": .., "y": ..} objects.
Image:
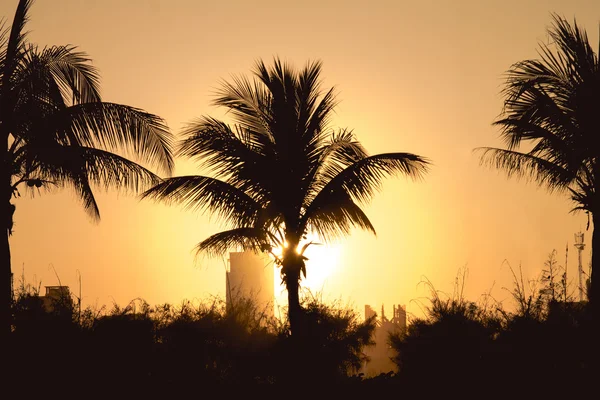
[
  {"x": 543, "y": 347},
  {"x": 463, "y": 346},
  {"x": 453, "y": 340},
  {"x": 332, "y": 348},
  {"x": 181, "y": 347}
]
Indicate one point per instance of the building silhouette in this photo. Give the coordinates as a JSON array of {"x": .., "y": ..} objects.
[
  {"x": 57, "y": 296},
  {"x": 250, "y": 276},
  {"x": 380, "y": 355}
]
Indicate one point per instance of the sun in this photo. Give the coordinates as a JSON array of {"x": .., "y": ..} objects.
[{"x": 321, "y": 264}]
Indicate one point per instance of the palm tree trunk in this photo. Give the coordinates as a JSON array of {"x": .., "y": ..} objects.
[
  {"x": 595, "y": 261},
  {"x": 6, "y": 217},
  {"x": 291, "y": 268},
  {"x": 5, "y": 272},
  {"x": 294, "y": 308}
]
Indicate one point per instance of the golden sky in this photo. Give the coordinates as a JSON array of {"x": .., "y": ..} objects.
[{"x": 421, "y": 77}]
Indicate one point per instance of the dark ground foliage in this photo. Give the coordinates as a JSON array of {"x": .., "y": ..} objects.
[
  {"x": 190, "y": 348},
  {"x": 544, "y": 348}
]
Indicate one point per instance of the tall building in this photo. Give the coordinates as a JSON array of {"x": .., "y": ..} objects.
[{"x": 250, "y": 276}]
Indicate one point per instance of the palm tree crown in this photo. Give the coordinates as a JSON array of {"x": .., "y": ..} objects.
[
  {"x": 56, "y": 131},
  {"x": 279, "y": 172},
  {"x": 552, "y": 104},
  {"x": 60, "y": 132}
]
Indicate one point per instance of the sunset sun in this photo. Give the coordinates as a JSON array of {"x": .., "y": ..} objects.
[{"x": 321, "y": 264}]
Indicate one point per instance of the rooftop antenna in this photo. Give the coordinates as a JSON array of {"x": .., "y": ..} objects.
[{"x": 579, "y": 245}]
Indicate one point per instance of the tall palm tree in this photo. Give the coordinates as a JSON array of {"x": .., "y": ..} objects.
[
  {"x": 278, "y": 172},
  {"x": 55, "y": 132},
  {"x": 552, "y": 104}
]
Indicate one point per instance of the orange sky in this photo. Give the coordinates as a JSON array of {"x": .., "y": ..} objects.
[{"x": 421, "y": 77}]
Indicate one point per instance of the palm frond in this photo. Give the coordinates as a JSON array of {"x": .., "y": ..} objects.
[
  {"x": 584, "y": 198},
  {"x": 529, "y": 102},
  {"x": 115, "y": 127},
  {"x": 201, "y": 193},
  {"x": 336, "y": 217},
  {"x": 85, "y": 194},
  {"x": 319, "y": 119},
  {"x": 77, "y": 79},
  {"x": 16, "y": 41},
  {"x": 4, "y": 32},
  {"x": 528, "y": 166},
  {"x": 331, "y": 158},
  {"x": 112, "y": 171},
  {"x": 217, "y": 145},
  {"x": 307, "y": 94},
  {"x": 248, "y": 101},
  {"x": 229, "y": 155},
  {"x": 245, "y": 238},
  {"x": 574, "y": 45},
  {"x": 516, "y": 130},
  {"x": 64, "y": 166},
  {"x": 81, "y": 167},
  {"x": 103, "y": 169},
  {"x": 362, "y": 178}
]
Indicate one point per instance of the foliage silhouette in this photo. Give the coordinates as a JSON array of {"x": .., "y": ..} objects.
[
  {"x": 542, "y": 347},
  {"x": 180, "y": 348},
  {"x": 552, "y": 334},
  {"x": 459, "y": 347},
  {"x": 551, "y": 104},
  {"x": 214, "y": 344},
  {"x": 57, "y": 132},
  {"x": 332, "y": 348},
  {"x": 279, "y": 172},
  {"x": 453, "y": 340}
]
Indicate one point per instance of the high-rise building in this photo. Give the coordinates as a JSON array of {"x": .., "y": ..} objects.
[{"x": 250, "y": 276}]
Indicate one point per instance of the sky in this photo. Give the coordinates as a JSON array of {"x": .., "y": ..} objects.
[{"x": 421, "y": 77}]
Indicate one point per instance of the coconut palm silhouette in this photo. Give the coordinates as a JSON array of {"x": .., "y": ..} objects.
[
  {"x": 279, "y": 172},
  {"x": 57, "y": 132},
  {"x": 551, "y": 105}
]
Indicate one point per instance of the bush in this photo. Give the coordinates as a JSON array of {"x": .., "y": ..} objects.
[{"x": 330, "y": 348}]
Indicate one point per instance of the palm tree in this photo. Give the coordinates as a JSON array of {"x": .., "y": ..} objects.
[
  {"x": 552, "y": 104},
  {"x": 57, "y": 132},
  {"x": 278, "y": 171}
]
